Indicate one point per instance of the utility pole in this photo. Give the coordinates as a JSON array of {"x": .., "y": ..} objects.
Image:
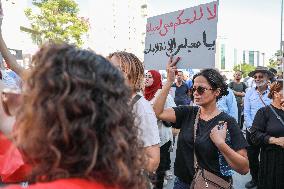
[
  {"x": 281, "y": 53},
  {"x": 281, "y": 49}
]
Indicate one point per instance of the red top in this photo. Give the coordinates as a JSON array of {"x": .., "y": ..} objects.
[
  {"x": 66, "y": 184},
  {"x": 12, "y": 166}
]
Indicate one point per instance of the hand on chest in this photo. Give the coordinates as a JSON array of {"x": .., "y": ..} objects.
[{"x": 203, "y": 141}]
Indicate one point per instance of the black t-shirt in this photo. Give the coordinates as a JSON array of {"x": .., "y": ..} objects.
[
  {"x": 266, "y": 124},
  {"x": 206, "y": 151}
]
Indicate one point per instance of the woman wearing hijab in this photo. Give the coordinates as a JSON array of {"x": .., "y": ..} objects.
[{"x": 153, "y": 85}]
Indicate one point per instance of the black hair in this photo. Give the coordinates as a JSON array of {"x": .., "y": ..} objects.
[
  {"x": 215, "y": 80},
  {"x": 274, "y": 71}
]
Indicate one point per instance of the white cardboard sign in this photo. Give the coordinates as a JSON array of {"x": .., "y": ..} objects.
[{"x": 190, "y": 34}]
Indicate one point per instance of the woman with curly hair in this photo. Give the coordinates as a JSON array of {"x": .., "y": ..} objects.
[
  {"x": 210, "y": 143},
  {"x": 133, "y": 71},
  {"x": 75, "y": 127},
  {"x": 268, "y": 132}
]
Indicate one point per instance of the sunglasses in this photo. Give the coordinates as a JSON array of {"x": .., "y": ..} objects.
[
  {"x": 200, "y": 90},
  {"x": 259, "y": 77}
]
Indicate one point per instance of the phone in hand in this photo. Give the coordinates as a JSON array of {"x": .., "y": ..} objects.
[{"x": 221, "y": 125}]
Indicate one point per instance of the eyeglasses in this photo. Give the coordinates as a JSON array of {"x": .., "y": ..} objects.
[
  {"x": 200, "y": 90},
  {"x": 259, "y": 76}
]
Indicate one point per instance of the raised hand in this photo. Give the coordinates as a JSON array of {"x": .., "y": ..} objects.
[{"x": 171, "y": 69}]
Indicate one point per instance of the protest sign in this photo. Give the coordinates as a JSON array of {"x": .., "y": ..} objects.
[{"x": 190, "y": 34}]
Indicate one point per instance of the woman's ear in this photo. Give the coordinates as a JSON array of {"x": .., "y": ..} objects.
[{"x": 217, "y": 92}]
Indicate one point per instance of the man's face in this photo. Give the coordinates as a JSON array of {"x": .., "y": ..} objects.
[
  {"x": 179, "y": 76},
  {"x": 260, "y": 79},
  {"x": 238, "y": 76}
]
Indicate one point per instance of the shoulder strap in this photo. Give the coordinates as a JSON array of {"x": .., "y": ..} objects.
[
  {"x": 260, "y": 97},
  {"x": 276, "y": 114},
  {"x": 135, "y": 99},
  {"x": 194, "y": 138}
]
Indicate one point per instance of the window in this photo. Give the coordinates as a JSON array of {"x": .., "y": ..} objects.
[{"x": 251, "y": 58}]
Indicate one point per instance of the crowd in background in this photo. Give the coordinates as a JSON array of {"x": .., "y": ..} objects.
[{"x": 76, "y": 120}]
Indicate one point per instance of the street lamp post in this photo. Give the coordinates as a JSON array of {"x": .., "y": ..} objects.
[
  {"x": 281, "y": 28},
  {"x": 281, "y": 48}
]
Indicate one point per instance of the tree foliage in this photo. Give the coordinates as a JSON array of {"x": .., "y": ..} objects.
[
  {"x": 273, "y": 62},
  {"x": 245, "y": 68},
  {"x": 56, "y": 20}
]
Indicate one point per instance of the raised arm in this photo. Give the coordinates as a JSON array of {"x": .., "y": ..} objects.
[
  {"x": 9, "y": 58},
  {"x": 158, "y": 106}
]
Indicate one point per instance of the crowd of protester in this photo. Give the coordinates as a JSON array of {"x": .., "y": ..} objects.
[{"x": 78, "y": 120}]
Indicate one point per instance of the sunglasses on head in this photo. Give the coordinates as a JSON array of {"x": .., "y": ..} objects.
[
  {"x": 200, "y": 90},
  {"x": 259, "y": 76}
]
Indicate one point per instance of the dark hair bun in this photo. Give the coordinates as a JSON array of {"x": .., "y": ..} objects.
[{"x": 215, "y": 80}]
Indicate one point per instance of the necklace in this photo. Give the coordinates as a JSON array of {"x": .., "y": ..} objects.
[{"x": 207, "y": 117}]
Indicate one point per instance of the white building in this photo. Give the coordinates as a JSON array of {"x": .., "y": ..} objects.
[
  {"x": 117, "y": 25},
  {"x": 227, "y": 56}
]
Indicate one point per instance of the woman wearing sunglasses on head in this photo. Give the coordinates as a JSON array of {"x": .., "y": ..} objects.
[
  {"x": 268, "y": 132},
  {"x": 210, "y": 145}
]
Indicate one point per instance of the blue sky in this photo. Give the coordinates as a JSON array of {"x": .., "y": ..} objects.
[{"x": 247, "y": 24}]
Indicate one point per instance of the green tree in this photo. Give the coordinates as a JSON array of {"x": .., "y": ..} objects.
[
  {"x": 56, "y": 20},
  {"x": 245, "y": 68},
  {"x": 273, "y": 62}
]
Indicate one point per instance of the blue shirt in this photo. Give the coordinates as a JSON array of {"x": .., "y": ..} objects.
[
  {"x": 228, "y": 104},
  {"x": 253, "y": 103},
  {"x": 189, "y": 83}
]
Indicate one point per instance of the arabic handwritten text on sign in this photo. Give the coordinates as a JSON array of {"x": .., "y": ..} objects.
[{"x": 190, "y": 34}]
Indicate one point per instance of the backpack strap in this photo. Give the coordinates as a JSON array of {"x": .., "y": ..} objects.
[
  {"x": 276, "y": 114},
  {"x": 135, "y": 99}
]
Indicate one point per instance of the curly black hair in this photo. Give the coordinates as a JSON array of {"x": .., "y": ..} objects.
[
  {"x": 75, "y": 120},
  {"x": 215, "y": 80}
]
